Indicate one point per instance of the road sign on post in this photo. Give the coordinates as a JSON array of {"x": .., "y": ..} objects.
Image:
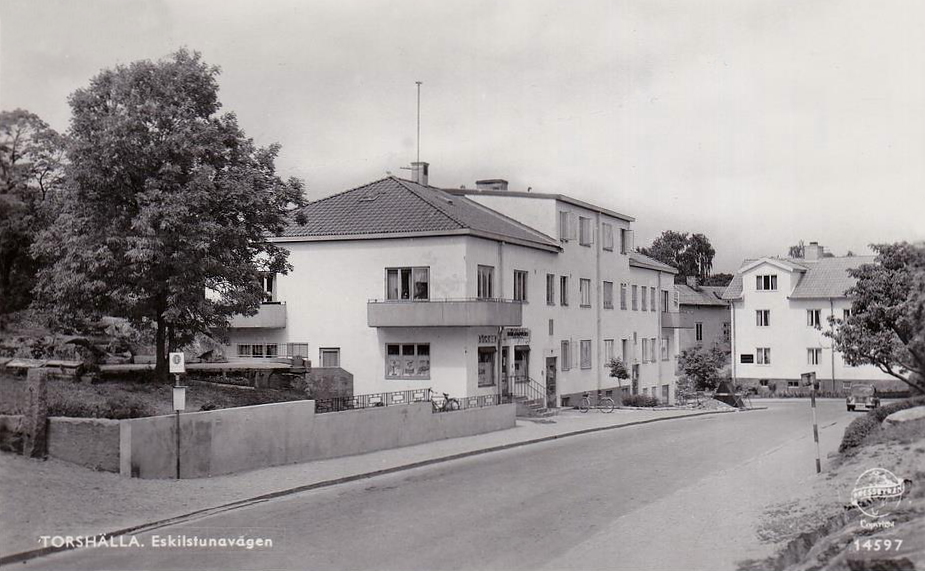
[
  {"x": 809, "y": 379},
  {"x": 177, "y": 363}
]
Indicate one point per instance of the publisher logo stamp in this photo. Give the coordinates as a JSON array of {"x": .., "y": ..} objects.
[{"x": 877, "y": 492}]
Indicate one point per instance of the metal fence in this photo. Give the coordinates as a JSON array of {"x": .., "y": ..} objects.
[
  {"x": 395, "y": 398},
  {"x": 442, "y": 404}
]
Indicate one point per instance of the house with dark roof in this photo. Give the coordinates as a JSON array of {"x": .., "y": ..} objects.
[
  {"x": 780, "y": 309},
  {"x": 476, "y": 293},
  {"x": 708, "y": 314}
]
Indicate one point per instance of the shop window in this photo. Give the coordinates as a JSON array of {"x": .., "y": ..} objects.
[{"x": 407, "y": 361}]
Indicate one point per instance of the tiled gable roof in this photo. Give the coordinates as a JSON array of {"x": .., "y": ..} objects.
[
  {"x": 704, "y": 295},
  {"x": 393, "y": 206},
  {"x": 643, "y": 261},
  {"x": 822, "y": 278}
]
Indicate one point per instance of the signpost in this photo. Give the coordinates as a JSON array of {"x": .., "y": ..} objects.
[
  {"x": 809, "y": 379},
  {"x": 178, "y": 367}
]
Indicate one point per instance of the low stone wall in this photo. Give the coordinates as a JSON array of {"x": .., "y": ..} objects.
[
  {"x": 90, "y": 442},
  {"x": 233, "y": 440}
]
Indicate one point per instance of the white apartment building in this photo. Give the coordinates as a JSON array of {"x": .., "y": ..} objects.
[
  {"x": 466, "y": 292},
  {"x": 780, "y": 309}
]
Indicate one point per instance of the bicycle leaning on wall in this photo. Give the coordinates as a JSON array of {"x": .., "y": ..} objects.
[{"x": 604, "y": 404}]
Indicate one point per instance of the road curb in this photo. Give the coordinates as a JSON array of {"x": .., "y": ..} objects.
[{"x": 198, "y": 514}]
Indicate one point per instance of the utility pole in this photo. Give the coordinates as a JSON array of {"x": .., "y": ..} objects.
[{"x": 418, "y": 83}]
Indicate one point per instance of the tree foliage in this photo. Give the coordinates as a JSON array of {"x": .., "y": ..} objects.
[
  {"x": 618, "y": 370},
  {"x": 886, "y": 327},
  {"x": 690, "y": 254},
  {"x": 31, "y": 159},
  {"x": 797, "y": 251},
  {"x": 701, "y": 366},
  {"x": 718, "y": 280},
  {"x": 167, "y": 200}
]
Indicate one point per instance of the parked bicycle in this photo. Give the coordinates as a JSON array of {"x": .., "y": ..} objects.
[
  {"x": 604, "y": 404},
  {"x": 444, "y": 404}
]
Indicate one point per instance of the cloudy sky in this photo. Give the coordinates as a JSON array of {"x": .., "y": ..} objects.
[{"x": 756, "y": 122}]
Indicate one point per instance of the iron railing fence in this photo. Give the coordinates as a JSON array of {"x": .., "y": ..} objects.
[
  {"x": 445, "y": 403},
  {"x": 371, "y": 400}
]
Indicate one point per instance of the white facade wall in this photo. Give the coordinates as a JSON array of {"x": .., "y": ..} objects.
[{"x": 788, "y": 335}]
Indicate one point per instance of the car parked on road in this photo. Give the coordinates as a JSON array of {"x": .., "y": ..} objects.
[{"x": 862, "y": 396}]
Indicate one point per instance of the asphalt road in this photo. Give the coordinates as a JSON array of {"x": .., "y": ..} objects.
[{"x": 617, "y": 499}]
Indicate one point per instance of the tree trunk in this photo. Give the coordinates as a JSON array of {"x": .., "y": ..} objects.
[{"x": 160, "y": 349}]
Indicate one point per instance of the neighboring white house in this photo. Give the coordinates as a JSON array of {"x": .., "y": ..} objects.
[
  {"x": 409, "y": 286},
  {"x": 780, "y": 309}
]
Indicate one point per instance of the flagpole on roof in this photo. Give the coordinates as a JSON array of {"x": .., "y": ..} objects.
[{"x": 418, "y": 83}]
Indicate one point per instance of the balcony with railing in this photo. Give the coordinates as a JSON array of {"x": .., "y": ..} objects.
[
  {"x": 448, "y": 312},
  {"x": 678, "y": 320},
  {"x": 270, "y": 315}
]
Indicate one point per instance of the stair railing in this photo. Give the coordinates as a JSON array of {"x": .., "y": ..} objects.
[{"x": 526, "y": 387}]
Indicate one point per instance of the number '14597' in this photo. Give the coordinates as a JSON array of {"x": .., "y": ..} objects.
[{"x": 877, "y": 544}]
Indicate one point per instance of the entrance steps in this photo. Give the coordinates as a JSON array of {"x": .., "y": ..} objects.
[{"x": 533, "y": 408}]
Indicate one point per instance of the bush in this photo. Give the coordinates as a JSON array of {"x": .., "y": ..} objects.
[
  {"x": 860, "y": 428},
  {"x": 119, "y": 407},
  {"x": 640, "y": 400}
]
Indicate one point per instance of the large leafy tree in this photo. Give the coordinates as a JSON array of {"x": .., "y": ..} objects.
[
  {"x": 690, "y": 254},
  {"x": 886, "y": 327},
  {"x": 167, "y": 200},
  {"x": 31, "y": 159}
]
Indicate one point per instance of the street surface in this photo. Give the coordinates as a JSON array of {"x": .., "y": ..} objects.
[{"x": 676, "y": 494}]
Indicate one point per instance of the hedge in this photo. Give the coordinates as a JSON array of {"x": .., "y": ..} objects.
[{"x": 859, "y": 428}]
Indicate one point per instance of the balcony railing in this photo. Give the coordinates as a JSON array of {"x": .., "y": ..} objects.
[
  {"x": 446, "y": 312},
  {"x": 271, "y": 315}
]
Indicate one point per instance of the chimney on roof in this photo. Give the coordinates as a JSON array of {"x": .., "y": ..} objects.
[
  {"x": 419, "y": 172},
  {"x": 692, "y": 282},
  {"x": 813, "y": 252},
  {"x": 491, "y": 184}
]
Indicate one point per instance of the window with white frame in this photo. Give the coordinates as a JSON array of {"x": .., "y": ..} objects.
[
  {"x": 608, "y": 295},
  {"x": 764, "y": 355},
  {"x": 766, "y": 282},
  {"x": 645, "y": 350},
  {"x": 563, "y": 226},
  {"x": 520, "y": 285},
  {"x": 698, "y": 331},
  {"x": 813, "y": 355},
  {"x": 625, "y": 350},
  {"x": 297, "y": 350},
  {"x": 727, "y": 333},
  {"x": 814, "y": 317},
  {"x": 329, "y": 356},
  {"x": 644, "y": 305},
  {"x": 584, "y": 286},
  {"x": 269, "y": 287},
  {"x": 407, "y": 283},
  {"x": 407, "y": 361},
  {"x": 652, "y": 299},
  {"x": 258, "y": 350},
  {"x": 607, "y": 236},
  {"x": 550, "y": 289},
  {"x": 845, "y": 314},
  {"x": 652, "y": 348},
  {"x": 622, "y": 296},
  {"x": 664, "y": 349},
  {"x": 846, "y": 385},
  {"x": 486, "y": 275},
  {"x": 552, "y": 327},
  {"x": 566, "y": 351},
  {"x": 763, "y": 317},
  {"x": 585, "y": 353},
  {"x": 563, "y": 290},
  {"x": 664, "y": 300},
  {"x": 584, "y": 231},
  {"x": 624, "y": 241},
  {"x": 608, "y": 350},
  {"x": 635, "y": 298}
]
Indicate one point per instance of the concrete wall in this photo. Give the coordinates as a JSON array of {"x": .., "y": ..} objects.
[
  {"x": 90, "y": 442},
  {"x": 246, "y": 438}
]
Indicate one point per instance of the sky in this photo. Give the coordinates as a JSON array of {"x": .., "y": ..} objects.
[{"x": 756, "y": 122}]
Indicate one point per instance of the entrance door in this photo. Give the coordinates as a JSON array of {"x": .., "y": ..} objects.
[
  {"x": 506, "y": 387},
  {"x": 552, "y": 401},
  {"x": 521, "y": 361}
]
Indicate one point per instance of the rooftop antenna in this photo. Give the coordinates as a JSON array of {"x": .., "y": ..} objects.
[{"x": 418, "y": 83}]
